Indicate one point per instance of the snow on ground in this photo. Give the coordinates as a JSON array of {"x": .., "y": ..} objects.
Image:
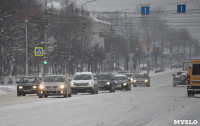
[
  {"x": 5, "y": 89},
  {"x": 152, "y": 73}
]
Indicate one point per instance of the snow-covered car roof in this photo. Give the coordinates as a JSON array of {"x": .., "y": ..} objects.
[
  {"x": 55, "y": 75},
  {"x": 83, "y": 73},
  {"x": 120, "y": 75}
]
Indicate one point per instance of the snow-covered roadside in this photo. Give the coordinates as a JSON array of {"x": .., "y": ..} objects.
[
  {"x": 6, "y": 89},
  {"x": 167, "y": 71}
]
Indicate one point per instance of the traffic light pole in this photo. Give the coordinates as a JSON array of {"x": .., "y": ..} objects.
[{"x": 45, "y": 39}]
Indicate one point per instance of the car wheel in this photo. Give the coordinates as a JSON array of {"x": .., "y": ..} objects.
[
  {"x": 92, "y": 91},
  {"x": 23, "y": 94},
  {"x": 130, "y": 88},
  {"x": 45, "y": 96},
  {"x": 65, "y": 95},
  {"x": 97, "y": 90},
  {"x": 148, "y": 85},
  {"x": 18, "y": 94},
  {"x": 134, "y": 85},
  {"x": 40, "y": 96},
  {"x": 70, "y": 94},
  {"x": 111, "y": 89}
]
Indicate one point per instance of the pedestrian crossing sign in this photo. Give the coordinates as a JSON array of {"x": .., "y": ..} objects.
[{"x": 38, "y": 51}]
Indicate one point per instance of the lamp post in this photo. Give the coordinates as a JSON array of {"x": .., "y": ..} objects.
[
  {"x": 26, "y": 23},
  {"x": 83, "y": 27}
]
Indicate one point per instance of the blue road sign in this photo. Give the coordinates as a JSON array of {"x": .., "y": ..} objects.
[
  {"x": 181, "y": 8},
  {"x": 38, "y": 51},
  {"x": 145, "y": 10}
]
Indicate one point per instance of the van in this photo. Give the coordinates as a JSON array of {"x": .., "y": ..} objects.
[{"x": 194, "y": 77}]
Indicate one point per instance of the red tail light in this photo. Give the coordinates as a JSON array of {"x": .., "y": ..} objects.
[{"x": 189, "y": 79}]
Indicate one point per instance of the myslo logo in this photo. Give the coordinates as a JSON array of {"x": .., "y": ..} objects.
[{"x": 185, "y": 122}]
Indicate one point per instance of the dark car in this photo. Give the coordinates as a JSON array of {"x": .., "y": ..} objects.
[
  {"x": 121, "y": 82},
  {"x": 28, "y": 85},
  {"x": 104, "y": 82}
]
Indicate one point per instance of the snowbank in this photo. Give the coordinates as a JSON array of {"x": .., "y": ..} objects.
[{"x": 5, "y": 89}]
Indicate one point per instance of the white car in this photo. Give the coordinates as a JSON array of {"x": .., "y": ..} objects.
[
  {"x": 84, "y": 82},
  {"x": 180, "y": 78}
]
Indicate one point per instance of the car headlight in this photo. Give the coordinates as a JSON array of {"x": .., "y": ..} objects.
[
  {"x": 146, "y": 81},
  {"x": 124, "y": 84},
  {"x": 72, "y": 83},
  {"x": 41, "y": 86},
  {"x": 62, "y": 86},
  {"x": 20, "y": 87},
  {"x": 34, "y": 87},
  {"x": 134, "y": 81},
  {"x": 90, "y": 82},
  {"x": 108, "y": 83}
]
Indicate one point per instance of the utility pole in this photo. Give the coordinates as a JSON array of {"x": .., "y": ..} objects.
[
  {"x": 148, "y": 42},
  {"x": 26, "y": 24},
  {"x": 111, "y": 34},
  {"x": 83, "y": 29}
]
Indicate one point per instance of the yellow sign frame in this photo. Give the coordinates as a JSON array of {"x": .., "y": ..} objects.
[{"x": 40, "y": 49}]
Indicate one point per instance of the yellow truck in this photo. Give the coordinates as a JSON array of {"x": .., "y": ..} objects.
[{"x": 194, "y": 78}]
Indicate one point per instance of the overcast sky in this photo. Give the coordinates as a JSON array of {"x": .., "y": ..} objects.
[{"x": 189, "y": 21}]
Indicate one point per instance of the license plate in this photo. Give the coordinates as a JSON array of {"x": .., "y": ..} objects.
[{"x": 27, "y": 90}]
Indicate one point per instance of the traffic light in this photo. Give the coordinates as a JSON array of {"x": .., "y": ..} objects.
[{"x": 45, "y": 58}]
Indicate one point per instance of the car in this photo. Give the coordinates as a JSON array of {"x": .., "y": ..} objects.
[
  {"x": 84, "y": 82},
  {"x": 54, "y": 85},
  {"x": 130, "y": 76},
  {"x": 180, "y": 78},
  {"x": 28, "y": 85},
  {"x": 121, "y": 82},
  {"x": 141, "y": 79},
  {"x": 104, "y": 82}
]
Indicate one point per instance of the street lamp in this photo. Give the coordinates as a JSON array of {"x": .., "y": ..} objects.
[
  {"x": 87, "y": 3},
  {"x": 83, "y": 27}
]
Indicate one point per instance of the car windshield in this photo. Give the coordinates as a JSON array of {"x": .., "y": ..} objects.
[
  {"x": 54, "y": 79},
  {"x": 27, "y": 80},
  {"x": 128, "y": 75},
  {"x": 82, "y": 77},
  {"x": 119, "y": 78},
  {"x": 103, "y": 77},
  {"x": 141, "y": 75}
]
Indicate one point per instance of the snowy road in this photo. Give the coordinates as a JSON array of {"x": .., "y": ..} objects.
[{"x": 158, "y": 105}]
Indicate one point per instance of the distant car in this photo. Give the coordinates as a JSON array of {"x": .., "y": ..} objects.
[
  {"x": 130, "y": 76},
  {"x": 104, "y": 82},
  {"x": 121, "y": 82},
  {"x": 122, "y": 72},
  {"x": 141, "y": 79},
  {"x": 28, "y": 85},
  {"x": 180, "y": 78},
  {"x": 54, "y": 85},
  {"x": 84, "y": 82}
]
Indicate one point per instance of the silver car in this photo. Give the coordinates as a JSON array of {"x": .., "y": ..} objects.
[
  {"x": 141, "y": 79},
  {"x": 180, "y": 78},
  {"x": 56, "y": 85}
]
